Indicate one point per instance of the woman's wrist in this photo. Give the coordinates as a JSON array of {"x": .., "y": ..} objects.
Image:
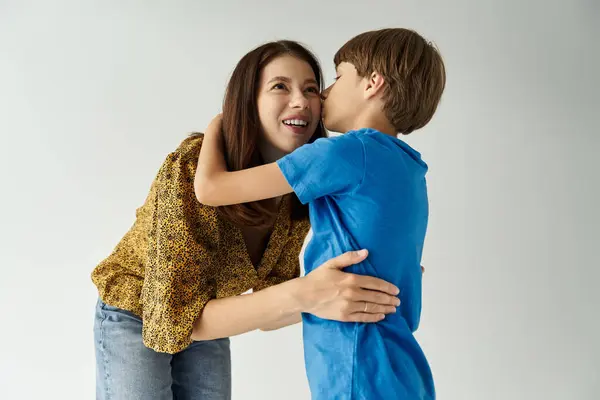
[{"x": 297, "y": 292}]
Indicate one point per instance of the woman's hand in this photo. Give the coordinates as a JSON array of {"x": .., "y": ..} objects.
[
  {"x": 326, "y": 292},
  {"x": 330, "y": 293}
]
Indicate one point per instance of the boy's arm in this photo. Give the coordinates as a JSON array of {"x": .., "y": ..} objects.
[{"x": 215, "y": 186}]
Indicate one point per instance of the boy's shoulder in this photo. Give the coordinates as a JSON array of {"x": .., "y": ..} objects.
[
  {"x": 368, "y": 133},
  {"x": 348, "y": 141},
  {"x": 378, "y": 145},
  {"x": 370, "y": 137}
]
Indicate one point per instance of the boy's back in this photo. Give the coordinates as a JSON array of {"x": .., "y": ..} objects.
[{"x": 366, "y": 190}]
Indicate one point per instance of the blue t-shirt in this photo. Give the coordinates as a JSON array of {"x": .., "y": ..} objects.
[{"x": 366, "y": 190}]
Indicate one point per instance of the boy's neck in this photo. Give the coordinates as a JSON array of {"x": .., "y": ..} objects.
[{"x": 378, "y": 123}]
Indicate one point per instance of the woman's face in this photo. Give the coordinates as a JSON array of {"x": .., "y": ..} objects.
[{"x": 289, "y": 106}]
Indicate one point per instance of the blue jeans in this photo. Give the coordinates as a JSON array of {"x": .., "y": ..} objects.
[{"x": 128, "y": 370}]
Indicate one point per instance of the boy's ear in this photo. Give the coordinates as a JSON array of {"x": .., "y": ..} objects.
[{"x": 375, "y": 85}]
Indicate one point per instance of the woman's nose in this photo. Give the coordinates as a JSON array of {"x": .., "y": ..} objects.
[{"x": 299, "y": 101}]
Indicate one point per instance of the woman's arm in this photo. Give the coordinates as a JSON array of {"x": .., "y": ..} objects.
[
  {"x": 292, "y": 320},
  {"x": 215, "y": 186},
  {"x": 295, "y": 318},
  {"x": 232, "y": 316},
  {"x": 327, "y": 292}
]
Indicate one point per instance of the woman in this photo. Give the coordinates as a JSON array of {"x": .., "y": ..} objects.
[{"x": 169, "y": 294}]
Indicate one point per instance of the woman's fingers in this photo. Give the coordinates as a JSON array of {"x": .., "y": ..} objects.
[
  {"x": 334, "y": 294},
  {"x": 372, "y": 283},
  {"x": 372, "y": 296},
  {"x": 371, "y": 308},
  {"x": 364, "y": 317},
  {"x": 347, "y": 259}
]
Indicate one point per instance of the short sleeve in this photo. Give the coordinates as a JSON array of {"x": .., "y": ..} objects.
[
  {"x": 179, "y": 279},
  {"x": 329, "y": 166}
]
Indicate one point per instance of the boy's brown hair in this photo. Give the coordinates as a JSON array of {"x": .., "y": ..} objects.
[{"x": 412, "y": 68}]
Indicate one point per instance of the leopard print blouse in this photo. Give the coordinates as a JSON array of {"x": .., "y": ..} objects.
[{"x": 179, "y": 254}]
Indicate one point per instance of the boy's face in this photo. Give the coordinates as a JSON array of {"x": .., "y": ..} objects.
[{"x": 343, "y": 100}]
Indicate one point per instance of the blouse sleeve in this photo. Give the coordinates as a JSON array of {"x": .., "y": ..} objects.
[{"x": 182, "y": 240}]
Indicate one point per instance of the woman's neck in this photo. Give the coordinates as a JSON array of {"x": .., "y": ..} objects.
[{"x": 268, "y": 153}]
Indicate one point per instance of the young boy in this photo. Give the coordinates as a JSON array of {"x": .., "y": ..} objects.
[{"x": 366, "y": 189}]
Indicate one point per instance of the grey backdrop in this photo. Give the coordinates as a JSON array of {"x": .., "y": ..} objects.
[{"x": 94, "y": 94}]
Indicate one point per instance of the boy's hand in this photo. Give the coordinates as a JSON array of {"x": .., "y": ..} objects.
[{"x": 216, "y": 125}]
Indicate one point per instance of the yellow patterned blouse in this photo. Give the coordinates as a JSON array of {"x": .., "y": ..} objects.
[{"x": 179, "y": 254}]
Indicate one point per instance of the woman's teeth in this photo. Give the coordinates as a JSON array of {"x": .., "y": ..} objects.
[{"x": 295, "y": 122}]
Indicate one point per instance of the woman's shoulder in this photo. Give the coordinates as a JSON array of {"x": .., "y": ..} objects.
[
  {"x": 189, "y": 148},
  {"x": 184, "y": 157}
]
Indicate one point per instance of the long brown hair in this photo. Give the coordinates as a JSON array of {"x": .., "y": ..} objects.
[{"x": 241, "y": 124}]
